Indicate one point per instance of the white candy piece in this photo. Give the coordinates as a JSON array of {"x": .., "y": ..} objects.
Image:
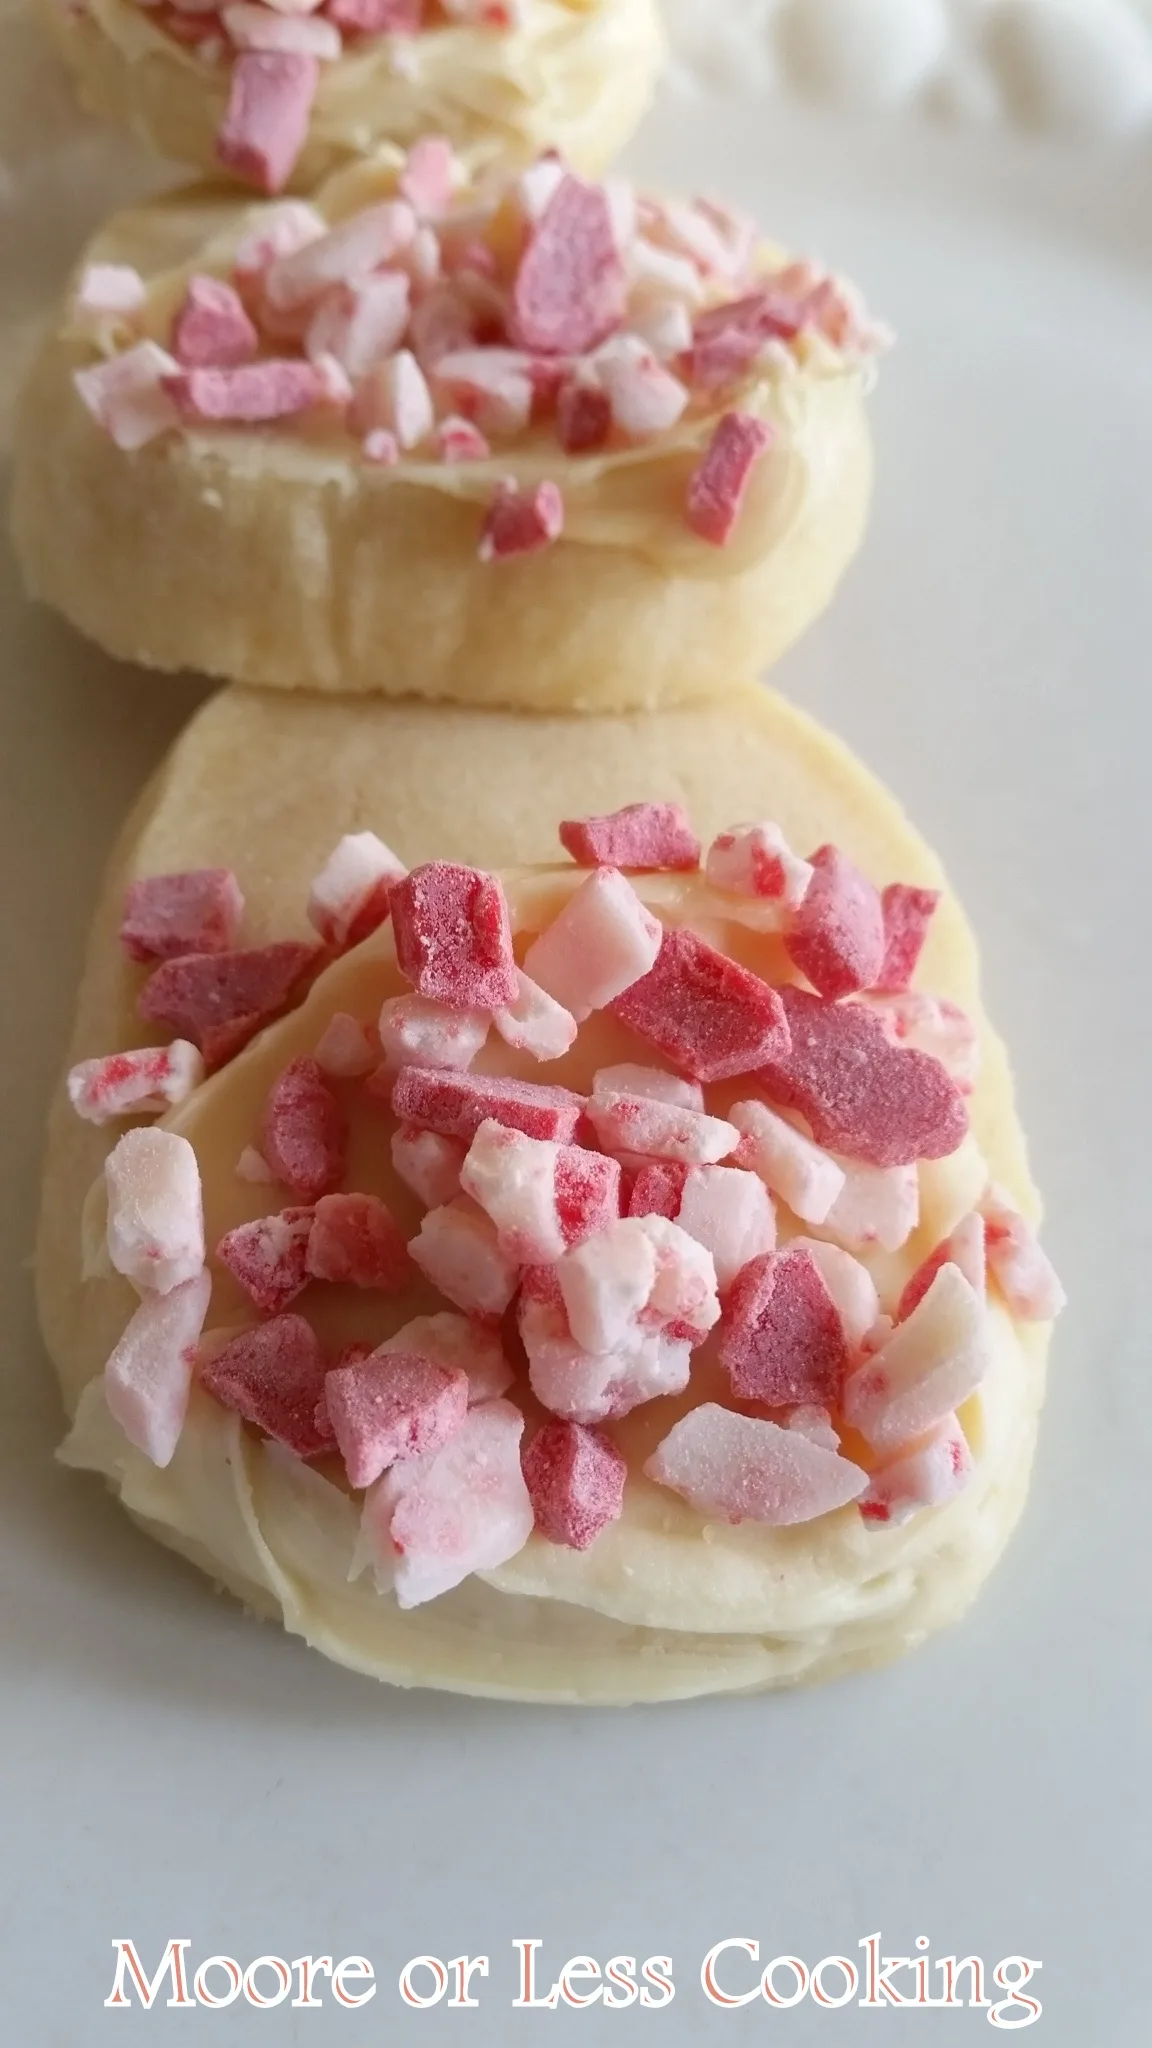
[
  {"x": 258, "y": 27},
  {"x": 126, "y": 394},
  {"x": 538, "y": 185},
  {"x": 155, "y": 1210},
  {"x": 660, "y": 1130},
  {"x": 360, "y": 325},
  {"x": 605, "y": 1282},
  {"x": 148, "y": 1377},
  {"x": 252, "y": 1166},
  {"x": 458, "y": 1250},
  {"x": 742, "y": 1469},
  {"x": 494, "y": 384},
  {"x": 652, "y": 1082},
  {"x": 816, "y": 1424},
  {"x": 153, "y": 1078},
  {"x": 395, "y": 395},
  {"x": 429, "y": 1164},
  {"x": 934, "y": 1472},
  {"x": 931, "y": 1024},
  {"x": 684, "y": 1291},
  {"x": 535, "y": 1023},
  {"x": 356, "y": 869},
  {"x": 877, "y": 1205},
  {"x": 646, "y": 399},
  {"x": 850, "y": 1284},
  {"x": 461, "y": 1345},
  {"x": 929, "y": 1365},
  {"x": 415, "y": 1031},
  {"x": 344, "y": 254},
  {"x": 756, "y": 860},
  {"x": 513, "y": 1178},
  {"x": 1018, "y": 1264},
  {"x": 964, "y": 1247},
  {"x": 464, "y": 1509},
  {"x": 655, "y": 273},
  {"x": 602, "y": 941},
  {"x": 730, "y": 1213},
  {"x": 792, "y": 1165},
  {"x": 109, "y": 291},
  {"x": 344, "y": 1049},
  {"x": 590, "y": 1387},
  {"x": 666, "y": 326},
  {"x": 283, "y": 229}
]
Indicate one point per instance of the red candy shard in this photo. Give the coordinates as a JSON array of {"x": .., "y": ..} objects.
[
  {"x": 212, "y": 327},
  {"x": 719, "y": 482},
  {"x": 657, "y": 1189},
  {"x": 265, "y": 125},
  {"x": 706, "y": 1013},
  {"x": 221, "y": 1000},
  {"x": 268, "y": 1257},
  {"x": 275, "y": 389},
  {"x": 454, "y": 937},
  {"x": 583, "y": 417},
  {"x": 165, "y": 916},
  {"x": 392, "y": 1405},
  {"x": 908, "y": 913},
  {"x": 862, "y": 1096},
  {"x": 519, "y": 522},
  {"x": 274, "y": 1377},
  {"x": 836, "y": 934},
  {"x": 782, "y": 1340},
  {"x": 356, "y": 1242},
  {"x": 571, "y": 288},
  {"x": 303, "y": 1132},
  {"x": 727, "y": 339},
  {"x": 457, "y": 1104},
  {"x": 575, "y": 1479},
  {"x": 640, "y": 836}
]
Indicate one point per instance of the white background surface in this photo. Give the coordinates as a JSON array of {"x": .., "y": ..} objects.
[{"x": 170, "y": 1768}]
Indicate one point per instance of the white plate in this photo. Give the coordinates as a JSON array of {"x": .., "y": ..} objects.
[{"x": 174, "y": 1770}]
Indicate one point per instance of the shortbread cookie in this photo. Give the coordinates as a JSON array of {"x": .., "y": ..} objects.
[
  {"x": 280, "y": 96},
  {"x": 357, "y": 1324},
  {"x": 547, "y": 444}
]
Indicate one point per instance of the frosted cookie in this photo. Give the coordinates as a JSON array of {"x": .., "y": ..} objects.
[
  {"x": 600, "y": 1279},
  {"x": 541, "y": 443},
  {"x": 281, "y": 93}
]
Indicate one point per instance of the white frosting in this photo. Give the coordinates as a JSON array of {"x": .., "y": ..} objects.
[{"x": 1074, "y": 66}]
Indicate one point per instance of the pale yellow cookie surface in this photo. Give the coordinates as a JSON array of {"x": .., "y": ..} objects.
[{"x": 664, "y": 1605}]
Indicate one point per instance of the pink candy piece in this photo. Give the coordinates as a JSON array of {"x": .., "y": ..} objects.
[
  {"x": 782, "y": 1339},
  {"x": 640, "y": 836},
  {"x": 657, "y": 1190},
  {"x": 908, "y": 913},
  {"x": 303, "y": 1131},
  {"x": 849, "y": 1283},
  {"x": 756, "y": 860},
  {"x": 418, "y": 1033},
  {"x": 729, "y": 338},
  {"x": 963, "y": 1247},
  {"x": 212, "y": 327},
  {"x": 935, "y": 1472},
  {"x": 876, "y": 1205},
  {"x": 127, "y": 394},
  {"x": 591, "y": 1387},
  {"x": 156, "y": 1077},
  {"x": 457, "y": 440},
  {"x": 465, "y": 1509},
  {"x": 392, "y": 1405},
  {"x": 583, "y": 417},
  {"x": 1019, "y": 1266},
  {"x": 381, "y": 447},
  {"x": 932, "y": 1025},
  {"x": 660, "y": 1130},
  {"x": 601, "y": 943},
  {"x": 428, "y": 1163},
  {"x": 836, "y": 936},
  {"x": 356, "y": 1242},
  {"x": 457, "y": 1104},
  {"x": 345, "y": 1051},
  {"x": 275, "y": 389},
  {"x": 570, "y": 289},
  {"x": 168, "y": 915},
  {"x": 458, "y": 1250},
  {"x": 155, "y": 1210},
  {"x": 575, "y": 1477},
  {"x": 535, "y": 1023},
  {"x": 268, "y": 1257},
  {"x": 453, "y": 936},
  {"x": 360, "y": 324},
  {"x": 274, "y": 1377},
  {"x": 656, "y": 1084},
  {"x": 492, "y": 386},
  {"x": 729, "y": 1212},
  {"x": 683, "y": 1300},
  {"x": 429, "y": 175},
  {"x": 349, "y": 898},
  {"x": 646, "y": 399},
  {"x": 221, "y": 1000},
  {"x": 377, "y": 18},
  {"x": 802, "y": 1174},
  {"x": 520, "y": 522},
  {"x": 462, "y": 1344},
  {"x": 741, "y": 1469},
  {"x": 149, "y": 1374},
  {"x": 266, "y": 123},
  {"x": 719, "y": 483},
  {"x": 927, "y": 1367},
  {"x": 706, "y": 1013},
  {"x": 542, "y": 1197},
  {"x": 862, "y": 1096}
]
